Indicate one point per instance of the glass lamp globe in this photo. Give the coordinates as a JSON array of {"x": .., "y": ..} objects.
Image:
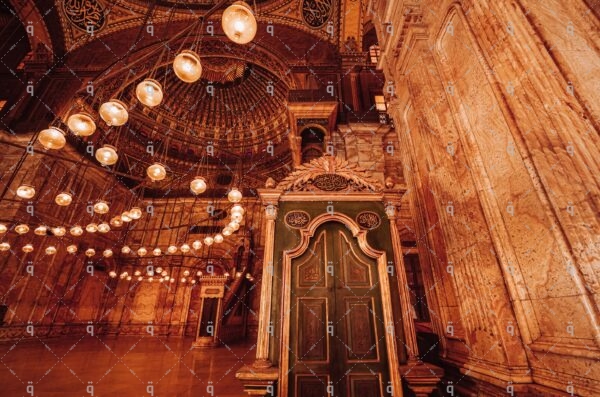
[
  {"x": 52, "y": 138},
  {"x": 164, "y": 273},
  {"x": 71, "y": 249},
  {"x": 76, "y": 231},
  {"x": 172, "y": 249},
  {"x": 157, "y": 252},
  {"x": 26, "y": 191},
  {"x": 135, "y": 213},
  {"x": 63, "y": 199},
  {"x": 149, "y": 92},
  {"x": 227, "y": 231},
  {"x": 199, "y": 273},
  {"x": 81, "y": 124},
  {"x": 208, "y": 240},
  {"x": 41, "y": 230},
  {"x": 197, "y": 244},
  {"x": 238, "y": 208},
  {"x": 140, "y": 278},
  {"x": 198, "y": 185},
  {"x": 186, "y": 273},
  {"x": 234, "y": 195},
  {"x": 50, "y": 250},
  {"x": 142, "y": 251},
  {"x": 156, "y": 172},
  {"x": 236, "y": 217},
  {"x": 125, "y": 249},
  {"x": 185, "y": 248},
  {"x": 128, "y": 278},
  {"x": 104, "y": 227},
  {"x": 27, "y": 248},
  {"x": 183, "y": 279},
  {"x": 107, "y": 155},
  {"x": 116, "y": 221},
  {"x": 137, "y": 273},
  {"x": 114, "y": 112},
  {"x": 187, "y": 66},
  {"x": 126, "y": 217},
  {"x": 239, "y": 23},
  {"x": 234, "y": 225},
  {"x": 59, "y": 231},
  {"x": 112, "y": 274},
  {"x": 218, "y": 238},
  {"x": 22, "y": 228},
  {"x": 159, "y": 270},
  {"x": 90, "y": 252},
  {"x": 172, "y": 280},
  {"x": 4, "y": 246},
  {"x": 91, "y": 228},
  {"x": 101, "y": 207},
  {"x": 107, "y": 253},
  {"x": 3, "y": 228}
]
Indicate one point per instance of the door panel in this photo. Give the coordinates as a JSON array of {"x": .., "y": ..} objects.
[{"x": 336, "y": 326}]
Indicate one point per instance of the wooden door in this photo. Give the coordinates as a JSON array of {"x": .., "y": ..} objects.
[{"x": 337, "y": 340}]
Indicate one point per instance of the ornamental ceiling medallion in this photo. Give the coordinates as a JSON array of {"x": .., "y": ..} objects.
[
  {"x": 86, "y": 15},
  {"x": 329, "y": 174},
  {"x": 316, "y": 13}
]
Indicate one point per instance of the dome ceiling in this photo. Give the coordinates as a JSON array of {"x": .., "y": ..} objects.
[{"x": 236, "y": 105}]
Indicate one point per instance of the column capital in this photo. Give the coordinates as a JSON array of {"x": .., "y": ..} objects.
[{"x": 271, "y": 211}]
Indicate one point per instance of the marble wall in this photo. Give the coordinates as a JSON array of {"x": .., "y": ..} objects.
[{"x": 495, "y": 109}]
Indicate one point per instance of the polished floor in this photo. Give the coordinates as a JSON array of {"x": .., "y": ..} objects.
[{"x": 120, "y": 366}]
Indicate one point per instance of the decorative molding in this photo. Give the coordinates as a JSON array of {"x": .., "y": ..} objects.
[{"x": 329, "y": 173}]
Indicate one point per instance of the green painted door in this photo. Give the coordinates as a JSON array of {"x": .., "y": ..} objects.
[{"x": 337, "y": 340}]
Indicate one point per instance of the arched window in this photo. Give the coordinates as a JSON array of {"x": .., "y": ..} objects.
[{"x": 312, "y": 143}]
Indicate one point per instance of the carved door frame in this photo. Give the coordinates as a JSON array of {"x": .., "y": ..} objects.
[{"x": 380, "y": 256}]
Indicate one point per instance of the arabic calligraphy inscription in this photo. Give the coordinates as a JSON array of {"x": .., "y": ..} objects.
[{"x": 87, "y": 15}]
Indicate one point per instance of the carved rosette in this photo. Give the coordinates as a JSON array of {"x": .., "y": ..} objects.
[
  {"x": 297, "y": 219},
  {"x": 368, "y": 220}
]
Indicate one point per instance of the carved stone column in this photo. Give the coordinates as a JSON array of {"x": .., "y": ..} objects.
[
  {"x": 408, "y": 325},
  {"x": 260, "y": 378},
  {"x": 421, "y": 379},
  {"x": 262, "y": 344}
]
